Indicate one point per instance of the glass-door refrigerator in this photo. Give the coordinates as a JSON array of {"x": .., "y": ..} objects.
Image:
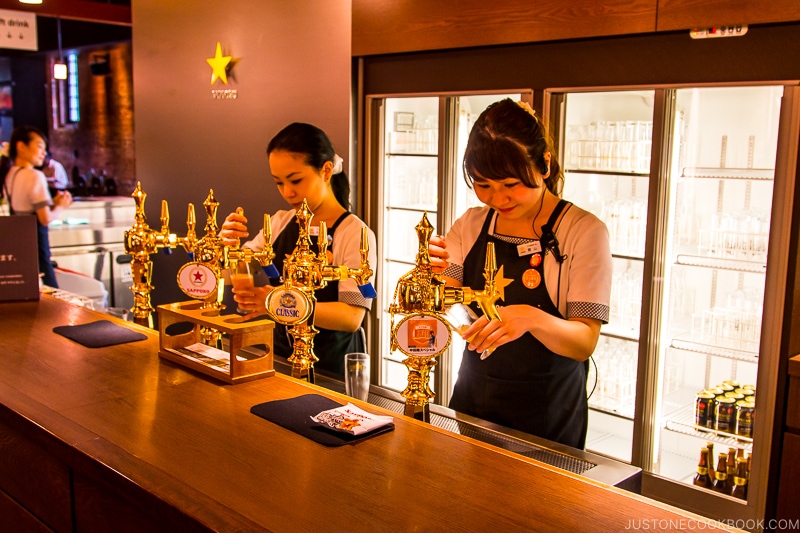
[
  {"x": 415, "y": 145},
  {"x": 694, "y": 185}
]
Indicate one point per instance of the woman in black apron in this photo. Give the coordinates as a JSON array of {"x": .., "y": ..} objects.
[
  {"x": 527, "y": 371},
  {"x": 305, "y": 167},
  {"x": 330, "y": 345}
]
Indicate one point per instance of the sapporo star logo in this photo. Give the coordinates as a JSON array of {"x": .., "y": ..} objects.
[
  {"x": 220, "y": 65},
  {"x": 501, "y": 283},
  {"x": 197, "y": 277}
]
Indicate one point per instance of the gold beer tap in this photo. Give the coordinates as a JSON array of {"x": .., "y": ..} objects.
[
  {"x": 234, "y": 254},
  {"x": 140, "y": 243},
  {"x": 292, "y": 303},
  {"x": 424, "y": 298},
  {"x": 201, "y": 278}
]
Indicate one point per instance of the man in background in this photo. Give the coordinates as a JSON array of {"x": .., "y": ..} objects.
[{"x": 55, "y": 173}]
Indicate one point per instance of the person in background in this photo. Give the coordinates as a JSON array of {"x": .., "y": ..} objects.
[
  {"x": 304, "y": 165},
  {"x": 57, "y": 178},
  {"x": 25, "y": 189},
  {"x": 527, "y": 371}
]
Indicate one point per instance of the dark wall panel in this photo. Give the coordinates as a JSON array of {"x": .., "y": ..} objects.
[
  {"x": 292, "y": 63},
  {"x": 764, "y": 53},
  {"x": 30, "y": 79}
]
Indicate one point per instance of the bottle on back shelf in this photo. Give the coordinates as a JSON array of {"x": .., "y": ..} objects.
[
  {"x": 701, "y": 479},
  {"x": 731, "y": 466},
  {"x": 710, "y": 461},
  {"x": 721, "y": 475},
  {"x": 749, "y": 465},
  {"x": 739, "y": 489}
]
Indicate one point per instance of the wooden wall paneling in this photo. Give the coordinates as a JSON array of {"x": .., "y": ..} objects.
[
  {"x": 789, "y": 485},
  {"x": 687, "y": 14},
  {"x": 32, "y": 476},
  {"x": 124, "y": 507},
  {"x": 793, "y": 400},
  {"x": 17, "y": 518},
  {"x": 388, "y": 26}
]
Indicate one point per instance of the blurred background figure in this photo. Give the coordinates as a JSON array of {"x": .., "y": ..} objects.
[{"x": 55, "y": 173}]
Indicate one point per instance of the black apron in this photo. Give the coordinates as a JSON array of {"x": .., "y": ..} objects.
[
  {"x": 43, "y": 245},
  {"x": 522, "y": 385},
  {"x": 329, "y": 345}
]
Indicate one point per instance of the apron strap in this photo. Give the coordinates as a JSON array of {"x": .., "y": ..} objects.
[
  {"x": 8, "y": 193},
  {"x": 548, "y": 239}
]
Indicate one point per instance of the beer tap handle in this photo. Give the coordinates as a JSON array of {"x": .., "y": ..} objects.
[
  {"x": 166, "y": 248},
  {"x": 365, "y": 272},
  {"x": 189, "y": 241},
  {"x": 495, "y": 285},
  {"x": 322, "y": 242},
  {"x": 267, "y": 230},
  {"x": 139, "y": 197},
  {"x": 269, "y": 269},
  {"x": 164, "y": 217}
]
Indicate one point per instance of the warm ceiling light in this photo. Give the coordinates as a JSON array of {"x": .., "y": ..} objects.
[
  {"x": 30, "y": 1},
  {"x": 59, "y": 67},
  {"x": 60, "y": 70}
]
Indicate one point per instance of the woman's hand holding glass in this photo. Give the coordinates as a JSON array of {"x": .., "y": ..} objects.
[{"x": 252, "y": 300}]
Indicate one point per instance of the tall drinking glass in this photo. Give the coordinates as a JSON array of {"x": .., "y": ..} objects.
[
  {"x": 356, "y": 375},
  {"x": 242, "y": 280}
]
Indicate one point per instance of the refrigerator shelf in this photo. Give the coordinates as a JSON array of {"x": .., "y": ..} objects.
[
  {"x": 684, "y": 424},
  {"x": 722, "y": 264},
  {"x": 411, "y": 154},
  {"x": 625, "y": 414},
  {"x": 607, "y": 172},
  {"x": 719, "y": 351},
  {"x": 729, "y": 173},
  {"x": 628, "y": 257},
  {"x": 621, "y": 335},
  {"x": 413, "y": 208}
]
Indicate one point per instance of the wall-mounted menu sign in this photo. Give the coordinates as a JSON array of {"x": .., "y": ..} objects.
[
  {"x": 18, "y": 30},
  {"x": 19, "y": 258}
]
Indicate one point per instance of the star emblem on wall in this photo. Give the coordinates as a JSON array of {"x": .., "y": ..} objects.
[{"x": 220, "y": 65}]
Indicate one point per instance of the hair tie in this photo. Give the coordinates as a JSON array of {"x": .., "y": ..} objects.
[
  {"x": 527, "y": 107},
  {"x": 337, "y": 164}
]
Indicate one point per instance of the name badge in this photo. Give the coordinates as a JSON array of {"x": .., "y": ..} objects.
[
  {"x": 529, "y": 248},
  {"x": 313, "y": 231}
]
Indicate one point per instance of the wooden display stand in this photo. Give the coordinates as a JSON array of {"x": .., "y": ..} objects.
[{"x": 186, "y": 348}]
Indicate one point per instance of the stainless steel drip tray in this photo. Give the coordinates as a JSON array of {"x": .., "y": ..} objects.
[{"x": 586, "y": 464}]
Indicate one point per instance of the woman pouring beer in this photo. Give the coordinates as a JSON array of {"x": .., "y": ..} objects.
[{"x": 527, "y": 371}]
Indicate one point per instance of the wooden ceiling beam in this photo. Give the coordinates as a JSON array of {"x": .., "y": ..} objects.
[{"x": 102, "y": 12}]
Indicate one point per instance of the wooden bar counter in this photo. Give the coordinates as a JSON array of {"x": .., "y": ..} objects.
[{"x": 116, "y": 439}]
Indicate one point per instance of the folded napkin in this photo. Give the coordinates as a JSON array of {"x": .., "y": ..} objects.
[
  {"x": 295, "y": 415},
  {"x": 99, "y": 334}
]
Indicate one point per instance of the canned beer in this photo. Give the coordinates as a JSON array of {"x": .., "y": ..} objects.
[
  {"x": 704, "y": 406},
  {"x": 726, "y": 415},
  {"x": 745, "y": 416},
  {"x": 735, "y": 395}
]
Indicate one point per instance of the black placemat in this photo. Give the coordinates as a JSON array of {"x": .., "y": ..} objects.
[
  {"x": 295, "y": 414},
  {"x": 99, "y": 334}
]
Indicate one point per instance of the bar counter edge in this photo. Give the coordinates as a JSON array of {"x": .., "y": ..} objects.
[{"x": 118, "y": 439}]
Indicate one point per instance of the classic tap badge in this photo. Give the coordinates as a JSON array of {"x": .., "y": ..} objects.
[{"x": 288, "y": 305}]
